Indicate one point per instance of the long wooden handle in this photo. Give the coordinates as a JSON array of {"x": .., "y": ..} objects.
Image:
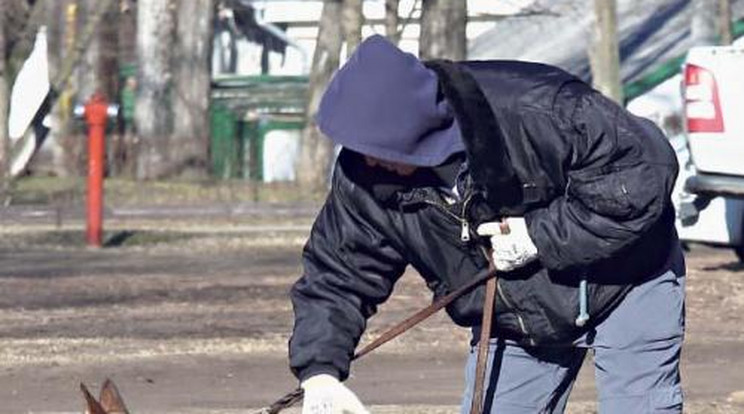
[
  {"x": 476, "y": 404},
  {"x": 295, "y": 396},
  {"x": 419, "y": 316}
]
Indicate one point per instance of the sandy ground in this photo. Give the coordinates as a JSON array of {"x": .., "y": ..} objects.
[{"x": 199, "y": 324}]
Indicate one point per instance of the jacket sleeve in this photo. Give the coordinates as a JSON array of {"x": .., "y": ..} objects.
[
  {"x": 350, "y": 267},
  {"x": 620, "y": 177}
]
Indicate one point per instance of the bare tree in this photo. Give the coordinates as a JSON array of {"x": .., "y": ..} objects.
[
  {"x": 153, "y": 115},
  {"x": 315, "y": 151},
  {"x": 191, "y": 86},
  {"x": 604, "y": 54},
  {"x": 121, "y": 148},
  {"x": 94, "y": 67},
  {"x": 26, "y": 18},
  {"x": 725, "y": 24},
  {"x": 88, "y": 73},
  {"x": 127, "y": 27},
  {"x": 19, "y": 22},
  {"x": 443, "y": 25},
  {"x": 4, "y": 101},
  {"x": 391, "y": 20},
  {"x": 60, "y": 135},
  {"x": 109, "y": 69},
  {"x": 352, "y": 20},
  {"x": 23, "y": 25},
  {"x": 97, "y": 71},
  {"x": 704, "y": 26}
]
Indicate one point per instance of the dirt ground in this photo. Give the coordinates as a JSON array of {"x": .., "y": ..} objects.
[{"x": 197, "y": 320}]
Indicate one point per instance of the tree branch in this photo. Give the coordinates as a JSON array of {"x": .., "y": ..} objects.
[
  {"x": 81, "y": 44},
  {"x": 21, "y": 46}
]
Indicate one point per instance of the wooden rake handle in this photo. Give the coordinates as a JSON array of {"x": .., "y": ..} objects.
[
  {"x": 476, "y": 404},
  {"x": 295, "y": 396}
]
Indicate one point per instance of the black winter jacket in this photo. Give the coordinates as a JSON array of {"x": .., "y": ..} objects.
[{"x": 592, "y": 181}]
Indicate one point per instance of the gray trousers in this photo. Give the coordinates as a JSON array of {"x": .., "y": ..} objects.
[{"x": 636, "y": 360}]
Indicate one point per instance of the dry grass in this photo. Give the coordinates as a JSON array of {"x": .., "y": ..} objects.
[
  {"x": 68, "y": 351},
  {"x": 123, "y": 192},
  {"x": 99, "y": 350},
  {"x": 144, "y": 238}
]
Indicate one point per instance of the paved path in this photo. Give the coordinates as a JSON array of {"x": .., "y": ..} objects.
[{"x": 199, "y": 322}]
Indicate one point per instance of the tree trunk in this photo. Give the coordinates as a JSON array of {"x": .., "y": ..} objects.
[
  {"x": 391, "y": 20},
  {"x": 725, "y": 22},
  {"x": 17, "y": 35},
  {"x": 122, "y": 148},
  {"x": 60, "y": 116},
  {"x": 108, "y": 61},
  {"x": 605, "y": 53},
  {"x": 704, "y": 26},
  {"x": 443, "y": 34},
  {"x": 78, "y": 47},
  {"x": 83, "y": 82},
  {"x": 127, "y": 31},
  {"x": 191, "y": 85},
  {"x": 98, "y": 71},
  {"x": 4, "y": 104},
  {"x": 352, "y": 20},
  {"x": 316, "y": 151},
  {"x": 88, "y": 73},
  {"x": 23, "y": 35},
  {"x": 109, "y": 84},
  {"x": 153, "y": 115},
  {"x": 63, "y": 30}
]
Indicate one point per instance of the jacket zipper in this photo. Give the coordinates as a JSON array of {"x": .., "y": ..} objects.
[
  {"x": 465, "y": 237},
  {"x": 464, "y": 224}
]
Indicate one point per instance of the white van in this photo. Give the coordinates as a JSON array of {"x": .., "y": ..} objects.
[
  {"x": 713, "y": 100},
  {"x": 713, "y": 91}
]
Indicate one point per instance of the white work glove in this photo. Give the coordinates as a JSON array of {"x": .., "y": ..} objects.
[
  {"x": 324, "y": 394},
  {"x": 511, "y": 244}
]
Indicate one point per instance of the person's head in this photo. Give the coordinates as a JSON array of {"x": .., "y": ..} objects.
[{"x": 385, "y": 104}]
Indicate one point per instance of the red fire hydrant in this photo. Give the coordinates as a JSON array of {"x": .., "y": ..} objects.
[{"x": 96, "y": 113}]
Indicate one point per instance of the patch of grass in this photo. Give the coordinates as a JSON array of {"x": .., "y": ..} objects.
[
  {"x": 123, "y": 192},
  {"x": 122, "y": 238},
  {"x": 64, "y": 238},
  {"x": 48, "y": 190},
  {"x": 144, "y": 238}
]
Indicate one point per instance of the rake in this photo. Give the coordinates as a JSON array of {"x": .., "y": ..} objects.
[{"x": 295, "y": 396}]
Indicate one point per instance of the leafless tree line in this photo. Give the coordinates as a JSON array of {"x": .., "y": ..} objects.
[
  {"x": 711, "y": 24},
  {"x": 174, "y": 44},
  {"x": 171, "y": 40}
]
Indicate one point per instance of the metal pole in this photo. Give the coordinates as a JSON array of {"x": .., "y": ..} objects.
[{"x": 95, "y": 117}]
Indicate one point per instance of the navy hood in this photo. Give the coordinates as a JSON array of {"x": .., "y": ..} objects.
[{"x": 385, "y": 103}]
